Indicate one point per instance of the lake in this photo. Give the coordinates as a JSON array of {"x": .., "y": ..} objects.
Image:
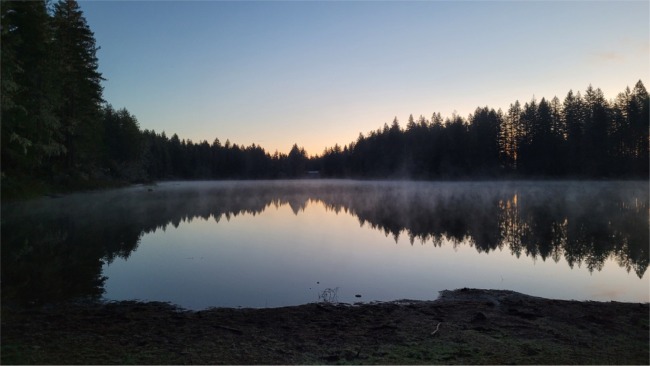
[{"x": 278, "y": 243}]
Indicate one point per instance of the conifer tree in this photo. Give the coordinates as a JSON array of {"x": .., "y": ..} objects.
[
  {"x": 80, "y": 86},
  {"x": 640, "y": 115},
  {"x": 510, "y": 136},
  {"x": 574, "y": 115},
  {"x": 30, "y": 128},
  {"x": 595, "y": 146}
]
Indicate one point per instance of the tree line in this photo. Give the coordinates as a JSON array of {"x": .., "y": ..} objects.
[
  {"x": 57, "y": 128},
  {"x": 582, "y": 136}
]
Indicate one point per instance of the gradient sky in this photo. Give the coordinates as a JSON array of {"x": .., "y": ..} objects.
[{"x": 319, "y": 73}]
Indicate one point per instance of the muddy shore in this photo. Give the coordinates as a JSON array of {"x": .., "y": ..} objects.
[{"x": 465, "y": 326}]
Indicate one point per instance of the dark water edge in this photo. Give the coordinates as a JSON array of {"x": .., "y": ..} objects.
[
  {"x": 466, "y": 326},
  {"x": 20, "y": 188}
]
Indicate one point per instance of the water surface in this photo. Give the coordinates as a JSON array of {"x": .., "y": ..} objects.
[{"x": 278, "y": 243}]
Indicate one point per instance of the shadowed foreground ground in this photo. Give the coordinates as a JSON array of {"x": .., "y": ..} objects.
[{"x": 463, "y": 326}]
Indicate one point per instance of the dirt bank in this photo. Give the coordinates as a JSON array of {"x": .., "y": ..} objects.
[{"x": 463, "y": 326}]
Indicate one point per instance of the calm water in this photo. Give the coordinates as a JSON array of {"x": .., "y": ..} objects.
[{"x": 270, "y": 244}]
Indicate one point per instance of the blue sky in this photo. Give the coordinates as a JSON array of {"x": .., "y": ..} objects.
[{"x": 318, "y": 73}]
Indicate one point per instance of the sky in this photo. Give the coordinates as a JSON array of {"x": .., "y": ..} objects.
[{"x": 318, "y": 73}]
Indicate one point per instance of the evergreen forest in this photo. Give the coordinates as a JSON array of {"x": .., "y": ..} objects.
[{"x": 58, "y": 131}]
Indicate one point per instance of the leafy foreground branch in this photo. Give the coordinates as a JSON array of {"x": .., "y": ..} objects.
[{"x": 463, "y": 326}]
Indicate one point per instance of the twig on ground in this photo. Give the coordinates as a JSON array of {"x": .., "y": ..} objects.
[
  {"x": 437, "y": 328},
  {"x": 229, "y": 328}
]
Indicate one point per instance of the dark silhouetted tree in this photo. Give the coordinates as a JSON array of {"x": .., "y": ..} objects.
[
  {"x": 31, "y": 131},
  {"x": 511, "y": 132},
  {"x": 79, "y": 83},
  {"x": 123, "y": 144},
  {"x": 484, "y": 129},
  {"x": 296, "y": 162},
  {"x": 595, "y": 147},
  {"x": 574, "y": 116}
]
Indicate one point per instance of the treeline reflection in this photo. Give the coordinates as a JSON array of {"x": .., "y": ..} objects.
[{"x": 54, "y": 249}]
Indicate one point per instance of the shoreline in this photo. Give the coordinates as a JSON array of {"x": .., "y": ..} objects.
[{"x": 464, "y": 326}]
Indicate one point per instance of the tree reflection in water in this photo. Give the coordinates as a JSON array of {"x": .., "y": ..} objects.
[{"x": 54, "y": 249}]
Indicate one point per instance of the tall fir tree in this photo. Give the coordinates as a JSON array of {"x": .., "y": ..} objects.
[
  {"x": 484, "y": 137},
  {"x": 80, "y": 85},
  {"x": 574, "y": 117},
  {"x": 510, "y": 136},
  {"x": 30, "y": 127},
  {"x": 595, "y": 146},
  {"x": 640, "y": 108}
]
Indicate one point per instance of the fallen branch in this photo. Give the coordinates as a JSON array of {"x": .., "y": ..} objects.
[
  {"x": 228, "y": 328},
  {"x": 437, "y": 328}
]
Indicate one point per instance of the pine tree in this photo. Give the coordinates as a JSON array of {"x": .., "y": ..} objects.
[
  {"x": 510, "y": 136},
  {"x": 525, "y": 153},
  {"x": 640, "y": 115},
  {"x": 80, "y": 86},
  {"x": 122, "y": 143},
  {"x": 595, "y": 146},
  {"x": 484, "y": 136},
  {"x": 542, "y": 146},
  {"x": 30, "y": 129},
  {"x": 574, "y": 115},
  {"x": 297, "y": 161}
]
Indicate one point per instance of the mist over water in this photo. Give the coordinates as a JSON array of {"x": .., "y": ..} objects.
[{"x": 277, "y": 243}]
